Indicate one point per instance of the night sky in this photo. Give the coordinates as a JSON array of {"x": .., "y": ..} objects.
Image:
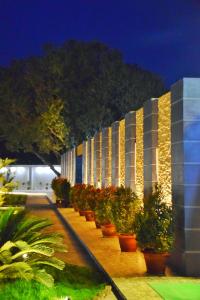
[{"x": 160, "y": 35}]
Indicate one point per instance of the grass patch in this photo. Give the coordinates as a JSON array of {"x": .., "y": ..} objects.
[{"x": 76, "y": 282}]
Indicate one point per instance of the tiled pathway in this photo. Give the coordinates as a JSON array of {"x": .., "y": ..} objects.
[
  {"x": 106, "y": 250},
  {"x": 40, "y": 207}
]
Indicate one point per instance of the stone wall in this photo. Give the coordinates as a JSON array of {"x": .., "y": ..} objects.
[{"x": 159, "y": 143}]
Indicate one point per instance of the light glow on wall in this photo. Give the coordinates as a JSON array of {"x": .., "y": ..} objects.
[
  {"x": 139, "y": 153},
  {"x": 164, "y": 144},
  {"x": 122, "y": 152}
]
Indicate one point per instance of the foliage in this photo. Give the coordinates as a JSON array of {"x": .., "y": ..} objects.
[
  {"x": 90, "y": 79},
  {"x": 74, "y": 281},
  {"x": 104, "y": 207},
  {"x": 124, "y": 209},
  {"x": 61, "y": 187},
  {"x": 6, "y": 183},
  {"x": 153, "y": 224},
  {"x": 25, "y": 250},
  {"x": 15, "y": 200}
]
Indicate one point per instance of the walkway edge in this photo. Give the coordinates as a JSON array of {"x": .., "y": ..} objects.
[{"x": 116, "y": 291}]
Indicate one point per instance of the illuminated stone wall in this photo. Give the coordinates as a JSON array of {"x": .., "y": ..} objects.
[
  {"x": 164, "y": 144},
  {"x": 97, "y": 159},
  {"x": 122, "y": 152},
  {"x": 130, "y": 150},
  {"x": 90, "y": 161},
  {"x": 139, "y": 153},
  {"x": 84, "y": 163},
  {"x": 106, "y": 156},
  {"x": 115, "y": 154},
  {"x": 150, "y": 145}
]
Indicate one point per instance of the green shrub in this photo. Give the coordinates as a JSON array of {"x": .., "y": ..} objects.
[
  {"x": 104, "y": 205},
  {"x": 61, "y": 188},
  {"x": 125, "y": 207},
  {"x": 154, "y": 224}
]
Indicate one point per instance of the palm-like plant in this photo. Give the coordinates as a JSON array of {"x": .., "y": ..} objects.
[{"x": 26, "y": 249}]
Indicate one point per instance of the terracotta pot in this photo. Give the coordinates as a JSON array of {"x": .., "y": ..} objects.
[
  {"x": 127, "y": 242},
  {"x": 89, "y": 215},
  {"x": 82, "y": 213},
  {"x": 108, "y": 230},
  {"x": 75, "y": 208},
  {"x": 155, "y": 262}
]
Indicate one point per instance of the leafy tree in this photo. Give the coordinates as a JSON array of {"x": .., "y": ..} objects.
[
  {"x": 28, "y": 123},
  {"x": 94, "y": 83}
]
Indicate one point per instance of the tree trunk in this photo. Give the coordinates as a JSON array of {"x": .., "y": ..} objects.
[{"x": 47, "y": 163}]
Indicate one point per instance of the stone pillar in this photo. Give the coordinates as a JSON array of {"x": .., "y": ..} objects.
[
  {"x": 130, "y": 150},
  {"x": 97, "y": 159},
  {"x": 150, "y": 145},
  {"x": 62, "y": 164},
  {"x": 115, "y": 154},
  {"x": 185, "y": 137},
  {"x": 84, "y": 163},
  {"x": 106, "y": 156},
  {"x": 73, "y": 165},
  {"x": 90, "y": 161},
  {"x": 122, "y": 152}
]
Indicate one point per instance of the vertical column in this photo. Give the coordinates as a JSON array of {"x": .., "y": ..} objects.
[
  {"x": 73, "y": 165},
  {"x": 106, "y": 156},
  {"x": 140, "y": 153},
  {"x": 150, "y": 145},
  {"x": 122, "y": 152},
  {"x": 164, "y": 145},
  {"x": 115, "y": 154},
  {"x": 62, "y": 164},
  {"x": 90, "y": 161},
  {"x": 130, "y": 150},
  {"x": 97, "y": 159},
  {"x": 84, "y": 163},
  {"x": 186, "y": 173}
]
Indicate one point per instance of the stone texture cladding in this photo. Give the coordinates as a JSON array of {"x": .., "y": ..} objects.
[
  {"x": 90, "y": 161},
  {"x": 97, "y": 158},
  {"x": 84, "y": 163},
  {"x": 164, "y": 145},
  {"x": 139, "y": 153},
  {"x": 122, "y": 152},
  {"x": 106, "y": 156},
  {"x": 115, "y": 153}
]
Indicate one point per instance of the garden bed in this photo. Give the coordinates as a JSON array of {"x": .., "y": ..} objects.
[{"x": 75, "y": 282}]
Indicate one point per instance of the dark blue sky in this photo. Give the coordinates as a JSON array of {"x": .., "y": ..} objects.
[{"x": 160, "y": 35}]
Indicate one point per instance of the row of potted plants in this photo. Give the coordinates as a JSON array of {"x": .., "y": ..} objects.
[{"x": 118, "y": 211}]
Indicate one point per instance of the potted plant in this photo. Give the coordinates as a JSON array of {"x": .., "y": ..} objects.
[
  {"x": 153, "y": 226},
  {"x": 61, "y": 187},
  {"x": 104, "y": 211},
  {"x": 90, "y": 199},
  {"x": 125, "y": 208}
]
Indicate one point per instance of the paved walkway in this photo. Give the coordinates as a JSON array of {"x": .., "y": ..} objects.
[
  {"x": 41, "y": 208},
  {"x": 106, "y": 250}
]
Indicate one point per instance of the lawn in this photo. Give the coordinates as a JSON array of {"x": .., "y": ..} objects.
[{"x": 75, "y": 282}]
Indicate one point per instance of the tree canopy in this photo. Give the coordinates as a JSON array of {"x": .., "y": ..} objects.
[{"x": 56, "y": 100}]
